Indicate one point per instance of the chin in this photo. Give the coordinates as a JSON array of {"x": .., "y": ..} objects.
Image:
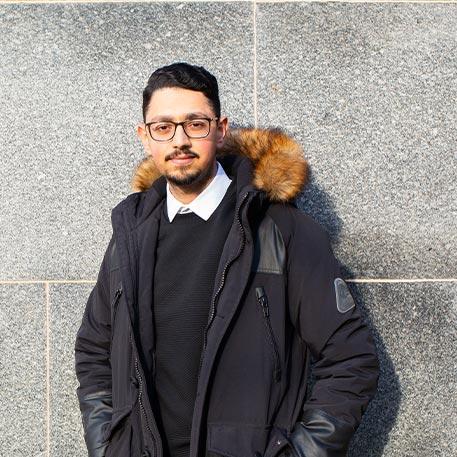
[{"x": 184, "y": 179}]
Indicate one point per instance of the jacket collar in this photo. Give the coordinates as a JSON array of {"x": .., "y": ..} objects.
[{"x": 264, "y": 160}]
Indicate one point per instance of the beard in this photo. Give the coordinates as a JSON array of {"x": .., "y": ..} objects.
[{"x": 189, "y": 178}]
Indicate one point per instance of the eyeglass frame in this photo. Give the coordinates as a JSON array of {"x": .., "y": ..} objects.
[{"x": 147, "y": 124}]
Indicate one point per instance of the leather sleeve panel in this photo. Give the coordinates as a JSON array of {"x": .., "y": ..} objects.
[
  {"x": 320, "y": 435},
  {"x": 96, "y": 409}
]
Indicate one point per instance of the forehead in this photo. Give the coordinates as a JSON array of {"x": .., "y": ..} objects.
[{"x": 174, "y": 103}]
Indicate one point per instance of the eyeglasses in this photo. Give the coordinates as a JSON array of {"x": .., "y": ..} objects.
[{"x": 193, "y": 128}]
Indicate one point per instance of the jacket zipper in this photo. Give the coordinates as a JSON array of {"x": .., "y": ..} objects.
[
  {"x": 140, "y": 394},
  {"x": 221, "y": 285},
  {"x": 262, "y": 299},
  {"x": 116, "y": 298},
  {"x": 132, "y": 253}
]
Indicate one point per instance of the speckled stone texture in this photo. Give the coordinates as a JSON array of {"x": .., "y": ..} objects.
[
  {"x": 412, "y": 414},
  {"x": 369, "y": 90},
  {"x": 67, "y": 302},
  {"x": 71, "y": 81},
  {"x": 22, "y": 370}
]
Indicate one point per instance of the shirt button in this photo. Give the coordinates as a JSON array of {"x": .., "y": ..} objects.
[{"x": 278, "y": 442}]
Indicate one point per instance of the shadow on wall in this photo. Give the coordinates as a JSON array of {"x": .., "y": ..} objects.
[{"x": 380, "y": 417}]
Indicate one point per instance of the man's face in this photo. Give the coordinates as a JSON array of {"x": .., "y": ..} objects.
[{"x": 185, "y": 162}]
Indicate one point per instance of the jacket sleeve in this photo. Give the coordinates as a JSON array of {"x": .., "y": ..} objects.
[
  {"x": 329, "y": 322},
  {"x": 92, "y": 362}
]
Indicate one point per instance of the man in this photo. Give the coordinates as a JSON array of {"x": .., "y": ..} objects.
[{"x": 214, "y": 294}]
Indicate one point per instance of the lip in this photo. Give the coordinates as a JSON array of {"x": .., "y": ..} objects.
[{"x": 182, "y": 160}]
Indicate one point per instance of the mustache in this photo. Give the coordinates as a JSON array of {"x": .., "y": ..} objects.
[{"x": 178, "y": 153}]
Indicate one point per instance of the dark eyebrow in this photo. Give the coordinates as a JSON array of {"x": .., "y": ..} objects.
[{"x": 196, "y": 115}]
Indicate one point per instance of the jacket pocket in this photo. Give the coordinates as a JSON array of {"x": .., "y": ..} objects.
[
  {"x": 262, "y": 299},
  {"x": 118, "y": 434},
  {"x": 278, "y": 444},
  {"x": 116, "y": 422}
]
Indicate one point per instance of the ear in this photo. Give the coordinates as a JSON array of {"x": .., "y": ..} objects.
[
  {"x": 222, "y": 128},
  {"x": 143, "y": 136}
]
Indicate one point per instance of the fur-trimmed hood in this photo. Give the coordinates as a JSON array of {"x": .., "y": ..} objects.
[{"x": 279, "y": 167}]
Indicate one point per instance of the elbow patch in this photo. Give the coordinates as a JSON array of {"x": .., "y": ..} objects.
[{"x": 344, "y": 299}]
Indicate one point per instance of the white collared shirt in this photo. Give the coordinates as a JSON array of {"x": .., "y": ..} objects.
[{"x": 206, "y": 201}]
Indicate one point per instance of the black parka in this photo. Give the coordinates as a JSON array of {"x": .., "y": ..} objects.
[{"x": 278, "y": 302}]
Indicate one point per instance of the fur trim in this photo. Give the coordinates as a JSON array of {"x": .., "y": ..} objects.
[{"x": 279, "y": 167}]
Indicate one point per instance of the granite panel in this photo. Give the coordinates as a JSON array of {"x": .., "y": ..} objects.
[
  {"x": 414, "y": 325},
  {"x": 67, "y": 303},
  {"x": 71, "y": 81},
  {"x": 23, "y": 370},
  {"x": 369, "y": 90}
]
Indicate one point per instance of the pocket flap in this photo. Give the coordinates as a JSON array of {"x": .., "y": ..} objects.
[{"x": 237, "y": 440}]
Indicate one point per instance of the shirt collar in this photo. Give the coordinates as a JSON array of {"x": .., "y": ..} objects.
[{"x": 206, "y": 201}]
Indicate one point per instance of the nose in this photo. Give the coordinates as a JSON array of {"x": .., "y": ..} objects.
[{"x": 181, "y": 137}]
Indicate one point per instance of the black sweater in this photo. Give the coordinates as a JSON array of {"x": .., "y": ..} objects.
[{"x": 188, "y": 253}]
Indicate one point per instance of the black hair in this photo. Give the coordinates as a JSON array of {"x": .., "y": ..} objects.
[{"x": 186, "y": 76}]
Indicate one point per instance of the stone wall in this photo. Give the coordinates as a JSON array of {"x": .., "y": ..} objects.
[{"x": 369, "y": 90}]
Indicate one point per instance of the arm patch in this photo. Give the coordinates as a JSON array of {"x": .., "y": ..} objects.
[{"x": 344, "y": 299}]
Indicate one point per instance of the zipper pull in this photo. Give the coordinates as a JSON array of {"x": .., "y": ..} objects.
[
  {"x": 117, "y": 294},
  {"x": 262, "y": 299}
]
